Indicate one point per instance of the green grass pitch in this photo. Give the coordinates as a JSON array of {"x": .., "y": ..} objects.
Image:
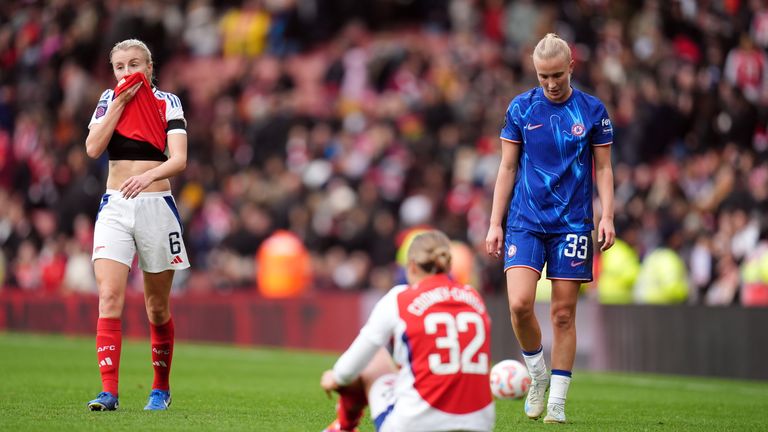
[{"x": 45, "y": 382}]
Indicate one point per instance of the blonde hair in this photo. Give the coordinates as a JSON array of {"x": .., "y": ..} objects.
[
  {"x": 128, "y": 44},
  {"x": 431, "y": 251},
  {"x": 551, "y": 46}
]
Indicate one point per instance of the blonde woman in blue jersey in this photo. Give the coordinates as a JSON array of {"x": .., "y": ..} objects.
[{"x": 551, "y": 137}]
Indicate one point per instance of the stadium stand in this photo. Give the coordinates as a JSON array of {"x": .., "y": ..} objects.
[{"x": 351, "y": 122}]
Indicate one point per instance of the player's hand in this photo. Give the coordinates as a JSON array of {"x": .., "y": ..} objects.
[
  {"x": 328, "y": 382},
  {"x": 128, "y": 95},
  {"x": 133, "y": 185},
  {"x": 494, "y": 242},
  {"x": 606, "y": 234}
]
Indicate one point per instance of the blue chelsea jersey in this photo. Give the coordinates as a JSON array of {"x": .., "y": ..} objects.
[{"x": 553, "y": 188}]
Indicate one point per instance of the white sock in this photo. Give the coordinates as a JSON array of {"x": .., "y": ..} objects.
[
  {"x": 535, "y": 363},
  {"x": 558, "y": 389}
]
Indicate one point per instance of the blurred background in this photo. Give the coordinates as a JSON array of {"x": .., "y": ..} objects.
[
  {"x": 324, "y": 133},
  {"x": 338, "y": 127}
]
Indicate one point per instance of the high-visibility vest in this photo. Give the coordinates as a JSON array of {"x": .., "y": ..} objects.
[
  {"x": 284, "y": 267},
  {"x": 754, "y": 277},
  {"x": 619, "y": 267},
  {"x": 663, "y": 278}
]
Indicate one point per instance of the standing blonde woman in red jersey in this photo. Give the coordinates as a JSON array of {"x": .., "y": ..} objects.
[{"x": 144, "y": 132}]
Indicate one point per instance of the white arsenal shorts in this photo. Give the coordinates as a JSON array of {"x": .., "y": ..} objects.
[
  {"x": 381, "y": 399},
  {"x": 148, "y": 224}
]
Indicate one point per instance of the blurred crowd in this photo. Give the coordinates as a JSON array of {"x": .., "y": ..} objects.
[{"x": 349, "y": 123}]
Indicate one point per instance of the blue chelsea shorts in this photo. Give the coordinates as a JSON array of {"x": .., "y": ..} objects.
[{"x": 567, "y": 255}]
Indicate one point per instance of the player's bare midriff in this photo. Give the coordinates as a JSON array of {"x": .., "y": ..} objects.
[{"x": 121, "y": 170}]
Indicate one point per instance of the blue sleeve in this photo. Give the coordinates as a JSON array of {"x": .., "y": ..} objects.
[
  {"x": 510, "y": 131},
  {"x": 602, "y": 129}
]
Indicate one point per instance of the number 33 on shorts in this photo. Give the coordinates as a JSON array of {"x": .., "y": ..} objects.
[
  {"x": 567, "y": 255},
  {"x": 575, "y": 258}
]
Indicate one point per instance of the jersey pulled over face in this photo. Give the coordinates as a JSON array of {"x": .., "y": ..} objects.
[
  {"x": 553, "y": 187},
  {"x": 131, "y": 60},
  {"x": 144, "y": 124}
]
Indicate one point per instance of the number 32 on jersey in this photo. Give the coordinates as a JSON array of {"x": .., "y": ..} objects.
[{"x": 465, "y": 359}]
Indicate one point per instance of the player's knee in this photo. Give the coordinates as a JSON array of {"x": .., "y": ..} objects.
[
  {"x": 110, "y": 303},
  {"x": 520, "y": 308},
  {"x": 563, "y": 318},
  {"x": 157, "y": 310}
]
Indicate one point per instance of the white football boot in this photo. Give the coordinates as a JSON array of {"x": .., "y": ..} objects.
[
  {"x": 555, "y": 413},
  {"x": 534, "y": 402}
]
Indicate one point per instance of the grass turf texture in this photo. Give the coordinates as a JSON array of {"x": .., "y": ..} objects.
[{"x": 45, "y": 382}]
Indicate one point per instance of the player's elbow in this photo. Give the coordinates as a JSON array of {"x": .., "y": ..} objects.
[
  {"x": 181, "y": 165},
  {"x": 92, "y": 150},
  {"x": 175, "y": 166},
  {"x": 508, "y": 168},
  {"x": 343, "y": 379}
]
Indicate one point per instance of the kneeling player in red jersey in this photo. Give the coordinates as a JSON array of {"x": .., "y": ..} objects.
[{"x": 440, "y": 334}]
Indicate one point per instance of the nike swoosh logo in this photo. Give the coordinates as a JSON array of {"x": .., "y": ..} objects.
[
  {"x": 531, "y": 127},
  {"x": 576, "y": 263}
]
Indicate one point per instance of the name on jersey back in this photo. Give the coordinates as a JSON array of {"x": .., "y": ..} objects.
[{"x": 423, "y": 301}]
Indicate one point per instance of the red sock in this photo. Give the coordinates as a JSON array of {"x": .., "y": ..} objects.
[
  {"x": 162, "y": 353},
  {"x": 352, "y": 402},
  {"x": 109, "y": 339}
]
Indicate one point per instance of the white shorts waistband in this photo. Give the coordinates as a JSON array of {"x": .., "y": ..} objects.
[{"x": 141, "y": 194}]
